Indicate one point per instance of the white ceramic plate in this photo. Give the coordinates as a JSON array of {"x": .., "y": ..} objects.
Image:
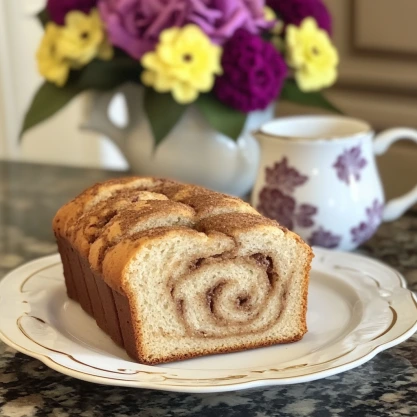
[{"x": 357, "y": 307}]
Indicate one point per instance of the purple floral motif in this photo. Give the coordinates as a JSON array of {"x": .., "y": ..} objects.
[
  {"x": 304, "y": 215},
  {"x": 284, "y": 177},
  {"x": 367, "y": 228},
  {"x": 324, "y": 238},
  {"x": 276, "y": 202},
  {"x": 277, "y": 206},
  {"x": 349, "y": 165}
]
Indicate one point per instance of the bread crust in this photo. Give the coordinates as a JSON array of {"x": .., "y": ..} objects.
[
  {"x": 109, "y": 226},
  {"x": 142, "y": 358}
]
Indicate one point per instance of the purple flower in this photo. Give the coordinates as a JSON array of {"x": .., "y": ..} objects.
[
  {"x": 284, "y": 177},
  {"x": 294, "y": 11},
  {"x": 253, "y": 73},
  {"x": 276, "y": 205},
  {"x": 219, "y": 19},
  {"x": 135, "y": 25},
  {"x": 367, "y": 228},
  {"x": 58, "y": 9},
  {"x": 324, "y": 238},
  {"x": 349, "y": 165}
]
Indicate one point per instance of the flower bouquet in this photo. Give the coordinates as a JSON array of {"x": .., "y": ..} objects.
[{"x": 228, "y": 58}]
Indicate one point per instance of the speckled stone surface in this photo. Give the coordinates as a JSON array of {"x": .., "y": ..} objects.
[{"x": 30, "y": 196}]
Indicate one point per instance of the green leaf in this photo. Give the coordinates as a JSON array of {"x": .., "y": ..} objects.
[
  {"x": 163, "y": 113},
  {"x": 48, "y": 100},
  {"x": 43, "y": 17},
  {"x": 222, "y": 118},
  {"x": 105, "y": 75},
  {"x": 291, "y": 92},
  {"x": 98, "y": 75}
]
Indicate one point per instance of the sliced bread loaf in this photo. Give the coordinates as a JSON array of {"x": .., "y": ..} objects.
[{"x": 173, "y": 271}]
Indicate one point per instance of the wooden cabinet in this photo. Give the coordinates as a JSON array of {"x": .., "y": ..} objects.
[{"x": 377, "y": 43}]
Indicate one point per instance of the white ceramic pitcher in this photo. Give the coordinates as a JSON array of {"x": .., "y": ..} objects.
[
  {"x": 318, "y": 177},
  {"x": 192, "y": 152}
]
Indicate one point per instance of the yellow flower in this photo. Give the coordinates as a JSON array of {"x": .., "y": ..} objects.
[
  {"x": 276, "y": 30},
  {"x": 269, "y": 14},
  {"x": 83, "y": 38},
  {"x": 312, "y": 55},
  {"x": 51, "y": 65},
  {"x": 184, "y": 62}
]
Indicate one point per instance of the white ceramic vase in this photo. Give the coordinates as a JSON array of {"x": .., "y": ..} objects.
[{"x": 193, "y": 151}]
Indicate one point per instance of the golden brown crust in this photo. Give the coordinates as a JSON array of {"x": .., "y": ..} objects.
[
  {"x": 229, "y": 223},
  {"x": 85, "y": 201},
  {"x": 142, "y": 357},
  {"x": 139, "y": 218},
  {"x": 112, "y": 222},
  {"x": 306, "y": 281}
]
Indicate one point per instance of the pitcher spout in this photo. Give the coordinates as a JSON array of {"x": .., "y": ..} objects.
[
  {"x": 262, "y": 137},
  {"x": 256, "y": 134}
]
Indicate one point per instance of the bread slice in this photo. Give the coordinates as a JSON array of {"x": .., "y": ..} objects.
[{"x": 174, "y": 271}]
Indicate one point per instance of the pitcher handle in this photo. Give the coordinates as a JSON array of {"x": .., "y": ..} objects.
[{"x": 397, "y": 206}]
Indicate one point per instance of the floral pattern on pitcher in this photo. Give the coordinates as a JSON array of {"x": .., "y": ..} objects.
[
  {"x": 304, "y": 215},
  {"x": 276, "y": 205},
  {"x": 350, "y": 164},
  {"x": 284, "y": 177},
  {"x": 276, "y": 201},
  {"x": 365, "y": 230},
  {"x": 324, "y": 238}
]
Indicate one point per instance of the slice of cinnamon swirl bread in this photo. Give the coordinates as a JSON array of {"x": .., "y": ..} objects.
[{"x": 173, "y": 271}]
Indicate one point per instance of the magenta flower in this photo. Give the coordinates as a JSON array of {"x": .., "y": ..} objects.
[
  {"x": 135, "y": 25},
  {"x": 253, "y": 73},
  {"x": 58, "y": 9},
  {"x": 294, "y": 11}
]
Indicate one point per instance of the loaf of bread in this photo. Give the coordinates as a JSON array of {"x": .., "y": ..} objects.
[{"x": 173, "y": 271}]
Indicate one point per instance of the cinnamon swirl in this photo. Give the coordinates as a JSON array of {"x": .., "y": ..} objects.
[{"x": 173, "y": 271}]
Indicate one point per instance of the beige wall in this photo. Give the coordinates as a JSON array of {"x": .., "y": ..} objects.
[
  {"x": 377, "y": 40},
  {"x": 377, "y": 43},
  {"x": 58, "y": 140}
]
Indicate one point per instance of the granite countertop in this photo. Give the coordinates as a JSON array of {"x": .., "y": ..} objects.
[{"x": 29, "y": 197}]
